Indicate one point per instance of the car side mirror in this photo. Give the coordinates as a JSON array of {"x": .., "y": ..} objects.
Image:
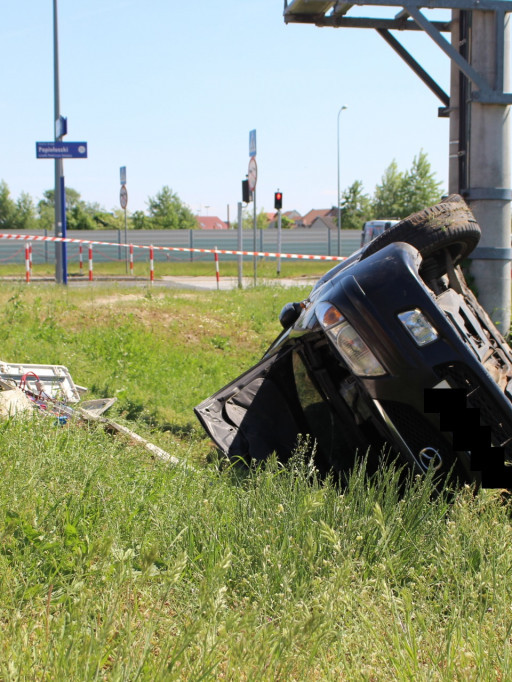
[{"x": 290, "y": 314}]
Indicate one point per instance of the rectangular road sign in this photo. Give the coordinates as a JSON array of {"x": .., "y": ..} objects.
[
  {"x": 61, "y": 126},
  {"x": 61, "y": 150},
  {"x": 122, "y": 173},
  {"x": 252, "y": 143}
]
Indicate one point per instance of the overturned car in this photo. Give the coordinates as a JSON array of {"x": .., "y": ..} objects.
[{"x": 390, "y": 352}]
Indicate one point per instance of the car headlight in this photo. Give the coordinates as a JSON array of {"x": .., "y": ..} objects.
[
  {"x": 418, "y": 327},
  {"x": 351, "y": 346}
]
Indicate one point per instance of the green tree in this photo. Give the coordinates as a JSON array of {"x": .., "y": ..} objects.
[
  {"x": 355, "y": 207},
  {"x": 80, "y": 215},
  {"x": 420, "y": 187},
  {"x": 46, "y": 208},
  {"x": 140, "y": 221},
  {"x": 24, "y": 213},
  {"x": 78, "y": 218},
  {"x": 114, "y": 220},
  {"x": 387, "y": 199},
  {"x": 287, "y": 223},
  {"x": 262, "y": 221},
  {"x": 400, "y": 194},
  {"x": 16, "y": 215},
  {"x": 168, "y": 212},
  {"x": 7, "y": 208}
]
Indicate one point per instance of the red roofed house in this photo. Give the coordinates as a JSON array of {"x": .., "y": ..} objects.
[
  {"x": 310, "y": 217},
  {"x": 211, "y": 222},
  {"x": 293, "y": 215}
]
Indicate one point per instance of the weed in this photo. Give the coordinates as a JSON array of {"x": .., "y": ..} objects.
[{"x": 114, "y": 566}]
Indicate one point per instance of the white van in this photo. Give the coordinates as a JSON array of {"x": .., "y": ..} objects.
[{"x": 372, "y": 229}]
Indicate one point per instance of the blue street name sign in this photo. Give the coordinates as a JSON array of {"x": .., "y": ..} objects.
[{"x": 61, "y": 150}]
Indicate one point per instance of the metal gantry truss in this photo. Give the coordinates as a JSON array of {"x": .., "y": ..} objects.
[
  {"x": 411, "y": 18},
  {"x": 477, "y": 106}
]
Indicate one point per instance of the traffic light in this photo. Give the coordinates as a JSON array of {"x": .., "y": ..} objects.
[
  {"x": 278, "y": 200},
  {"x": 246, "y": 194}
]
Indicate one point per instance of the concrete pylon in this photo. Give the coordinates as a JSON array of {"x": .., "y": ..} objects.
[{"x": 480, "y": 157}]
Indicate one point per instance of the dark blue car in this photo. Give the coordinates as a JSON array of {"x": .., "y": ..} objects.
[{"x": 390, "y": 353}]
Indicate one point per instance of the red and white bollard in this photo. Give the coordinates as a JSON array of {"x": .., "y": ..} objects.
[
  {"x": 131, "y": 259},
  {"x": 217, "y": 273},
  {"x": 151, "y": 265},
  {"x": 90, "y": 263},
  {"x": 81, "y": 259},
  {"x": 27, "y": 264},
  {"x": 30, "y": 257}
]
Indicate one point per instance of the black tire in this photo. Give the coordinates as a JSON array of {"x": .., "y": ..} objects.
[{"x": 447, "y": 225}]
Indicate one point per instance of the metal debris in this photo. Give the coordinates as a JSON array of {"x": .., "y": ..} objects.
[{"x": 51, "y": 389}]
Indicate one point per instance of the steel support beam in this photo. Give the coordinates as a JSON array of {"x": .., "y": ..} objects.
[
  {"x": 413, "y": 64},
  {"x": 485, "y": 93}
]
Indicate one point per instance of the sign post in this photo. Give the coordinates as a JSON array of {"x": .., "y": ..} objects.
[
  {"x": 63, "y": 230},
  {"x": 253, "y": 178},
  {"x": 60, "y": 150},
  {"x": 279, "y": 242},
  {"x": 123, "y": 200},
  {"x": 240, "y": 246}
]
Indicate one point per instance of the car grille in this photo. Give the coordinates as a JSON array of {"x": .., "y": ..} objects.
[
  {"x": 492, "y": 412},
  {"x": 414, "y": 428}
]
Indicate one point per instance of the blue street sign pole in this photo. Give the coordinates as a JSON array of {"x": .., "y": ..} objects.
[
  {"x": 63, "y": 220},
  {"x": 58, "y": 160},
  {"x": 60, "y": 150}
]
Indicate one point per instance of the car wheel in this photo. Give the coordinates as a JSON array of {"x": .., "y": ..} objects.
[{"x": 449, "y": 225}]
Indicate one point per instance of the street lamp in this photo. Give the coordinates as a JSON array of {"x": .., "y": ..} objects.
[{"x": 339, "y": 197}]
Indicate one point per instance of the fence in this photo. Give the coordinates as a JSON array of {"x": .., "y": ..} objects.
[{"x": 301, "y": 241}]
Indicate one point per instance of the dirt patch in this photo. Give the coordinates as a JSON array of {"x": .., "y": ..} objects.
[{"x": 122, "y": 298}]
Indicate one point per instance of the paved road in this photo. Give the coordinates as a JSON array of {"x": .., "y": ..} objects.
[
  {"x": 185, "y": 282},
  {"x": 232, "y": 282}
]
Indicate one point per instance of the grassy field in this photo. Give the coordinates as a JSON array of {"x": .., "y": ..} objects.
[
  {"x": 117, "y": 566},
  {"x": 266, "y": 268}
]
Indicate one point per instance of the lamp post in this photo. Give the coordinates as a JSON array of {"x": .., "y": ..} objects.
[{"x": 339, "y": 197}]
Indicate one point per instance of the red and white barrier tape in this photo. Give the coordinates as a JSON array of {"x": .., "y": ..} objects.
[{"x": 267, "y": 254}]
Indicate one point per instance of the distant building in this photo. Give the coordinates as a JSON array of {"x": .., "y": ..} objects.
[
  {"x": 322, "y": 222},
  {"x": 293, "y": 215},
  {"x": 211, "y": 223},
  {"x": 311, "y": 216}
]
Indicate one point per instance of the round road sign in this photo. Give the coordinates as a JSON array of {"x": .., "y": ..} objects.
[
  {"x": 123, "y": 197},
  {"x": 253, "y": 173}
]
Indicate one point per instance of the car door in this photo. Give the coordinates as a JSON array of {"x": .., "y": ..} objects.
[
  {"x": 256, "y": 414},
  {"x": 287, "y": 399}
]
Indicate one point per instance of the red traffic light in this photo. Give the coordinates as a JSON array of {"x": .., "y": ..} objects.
[{"x": 278, "y": 200}]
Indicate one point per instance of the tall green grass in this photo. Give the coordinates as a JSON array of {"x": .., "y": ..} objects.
[{"x": 115, "y": 566}]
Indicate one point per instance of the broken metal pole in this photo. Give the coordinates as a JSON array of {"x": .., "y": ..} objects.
[{"x": 108, "y": 424}]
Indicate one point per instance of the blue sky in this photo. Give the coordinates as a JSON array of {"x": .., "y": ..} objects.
[{"x": 171, "y": 90}]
